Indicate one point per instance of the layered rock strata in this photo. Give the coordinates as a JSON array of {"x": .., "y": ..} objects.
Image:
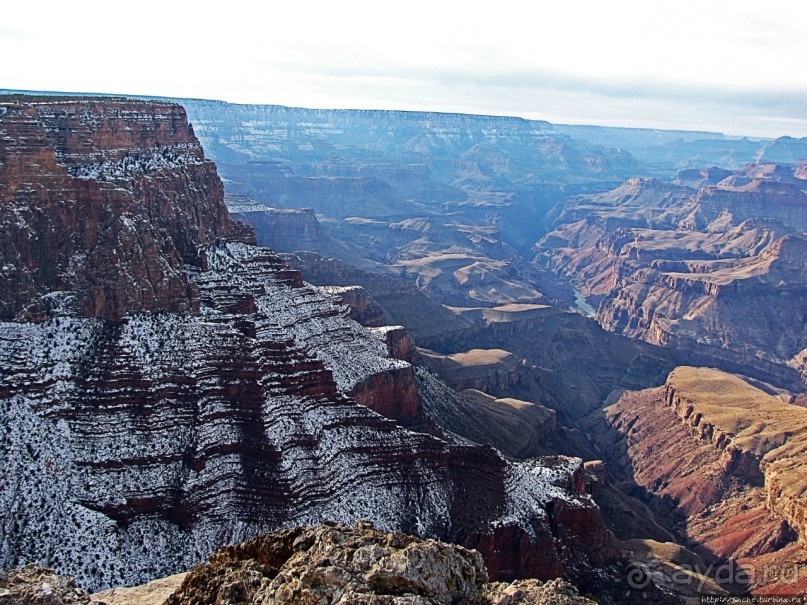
[
  {"x": 105, "y": 200},
  {"x": 166, "y": 387},
  {"x": 759, "y": 436},
  {"x": 712, "y": 265},
  {"x": 718, "y": 461}
]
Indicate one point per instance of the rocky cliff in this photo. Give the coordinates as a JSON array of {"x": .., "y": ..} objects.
[
  {"x": 718, "y": 460},
  {"x": 167, "y": 387},
  {"x": 105, "y": 200},
  {"x": 401, "y": 300},
  {"x": 760, "y": 436},
  {"x": 716, "y": 273}
]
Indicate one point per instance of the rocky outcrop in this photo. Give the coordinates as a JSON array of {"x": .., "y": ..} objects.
[
  {"x": 401, "y": 301},
  {"x": 90, "y": 208},
  {"x": 760, "y": 436},
  {"x": 152, "y": 593},
  {"x": 363, "y": 308},
  {"x": 399, "y": 344},
  {"x": 34, "y": 585},
  {"x": 696, "y": 178},
  {"x": 392, "y": 393},
  {"x": 488, "y": 370},
  {"x": 137, "y": 437},
  {"x": 324, "y": 564},
  {"x": 338, "y": 564},
  {"x": 287, "y": 230}
]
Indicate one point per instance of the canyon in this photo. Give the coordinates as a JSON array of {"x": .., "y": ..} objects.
[
  {"x": 545, "y": 310},
  {"x": 578, "y": 350},
  {"x": 717, "y": 459},
  {"x": 198, "y": 392},
  {"x": 711, "y": 264},
  {"x": 482, "y": 212}
]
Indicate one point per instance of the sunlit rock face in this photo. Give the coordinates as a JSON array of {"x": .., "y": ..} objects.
[
  {"x": 721, "y": 462},
  {"x": 712, "y": 265}
]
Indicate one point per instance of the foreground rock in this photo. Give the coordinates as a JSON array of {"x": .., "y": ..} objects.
[
  {"x": 34, "y": 585},
  {"x": 323, "y": 565},
  {"x": 338, "y": 564}
]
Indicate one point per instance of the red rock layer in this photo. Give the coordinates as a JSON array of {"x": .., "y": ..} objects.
[
  {"x": 696, "y": 481},
  {"x": 716, "y": 273},
  {"x": 393, "y": 393},
  {"x": 104, "y": 199}
]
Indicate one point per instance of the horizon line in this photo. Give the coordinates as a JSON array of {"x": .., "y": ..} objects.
[{"x": 31, "y": 92}]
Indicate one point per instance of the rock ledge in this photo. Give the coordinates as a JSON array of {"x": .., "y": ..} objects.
[{"x": 357, "y": 565}]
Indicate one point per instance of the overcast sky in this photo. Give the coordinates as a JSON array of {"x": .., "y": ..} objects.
[{"x": 731, "y": 66}]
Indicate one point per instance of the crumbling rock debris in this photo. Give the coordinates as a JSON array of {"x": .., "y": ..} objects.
[
  {"x": 35, "y": 585},
  {"x": 331, "y": 564}
]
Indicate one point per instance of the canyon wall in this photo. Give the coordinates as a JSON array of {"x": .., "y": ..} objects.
[
  {"x": 711, "y": 265},
  {"x": 105, "y": 200},
  {"x": 167, "y": 387},
  {"x": 719, "y": 462}
]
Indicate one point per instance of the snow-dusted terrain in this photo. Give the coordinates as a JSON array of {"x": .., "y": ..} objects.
[
  {"x": 131, "y": 451},
  {"x": 137, "y": 435}
]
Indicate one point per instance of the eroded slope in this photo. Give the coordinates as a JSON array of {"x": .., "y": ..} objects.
[
  {"x": 718, "y": 460},
  {"x": 167, "y": 387}
]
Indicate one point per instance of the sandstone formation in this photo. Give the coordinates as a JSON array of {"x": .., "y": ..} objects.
[
  {"x": 716, "y": 273},
  {"x": 718, "y": 461},
  {"x": 488, "y": 370},
  {"x": 34, "y": 585},
  {"x": 90, "y": 205},
  {"x": 759, "y": 435},
  {"x": 152, "y": 593},
  {"x": 167, "y": 387}
]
